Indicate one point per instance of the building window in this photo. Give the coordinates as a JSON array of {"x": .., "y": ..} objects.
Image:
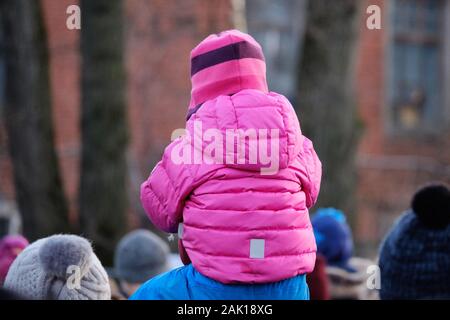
[
  {"x": 416, "y": 63},
  {"x": 278, "y": 26}
]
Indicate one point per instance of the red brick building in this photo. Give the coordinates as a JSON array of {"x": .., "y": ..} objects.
[
  {"x": 399, "y": 74},
  {"x": 402, "y": 86}
]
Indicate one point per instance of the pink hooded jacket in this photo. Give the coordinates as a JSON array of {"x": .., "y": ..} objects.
[{"x": 242, "y": 222}]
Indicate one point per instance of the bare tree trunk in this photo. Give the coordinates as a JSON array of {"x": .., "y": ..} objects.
[
  {"x": 103, "y": 191},
  {"x": 326, "y": 107},
  {"x": 279, "y": 27},
  {"x": 37, "y": 180}
]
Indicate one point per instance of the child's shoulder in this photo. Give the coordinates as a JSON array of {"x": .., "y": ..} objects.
[{"x": 242, "y": 105}]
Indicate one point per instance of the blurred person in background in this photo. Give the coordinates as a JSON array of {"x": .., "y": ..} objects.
[
  {"x": 346, "y": 275},
  {"x": 10, "y": 247},
  {"x": 415, "y": 256},
  {"x": 59, "y": 267},
  {"x": 139, "y": 256},
  {"x": 319, "y": 286}
]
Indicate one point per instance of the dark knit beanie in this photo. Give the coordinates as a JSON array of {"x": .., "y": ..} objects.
[{"x": 415, "y": 256}]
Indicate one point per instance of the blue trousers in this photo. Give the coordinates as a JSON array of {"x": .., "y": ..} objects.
[{"x": 186, "y": 283}]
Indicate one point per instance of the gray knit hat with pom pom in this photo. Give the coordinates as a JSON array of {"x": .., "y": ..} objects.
[{"x": 60, "y": 267}]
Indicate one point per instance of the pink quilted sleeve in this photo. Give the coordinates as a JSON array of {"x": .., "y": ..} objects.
[
  {"x": 310, "y": 172},
  {"x": 164, "y": 192}
]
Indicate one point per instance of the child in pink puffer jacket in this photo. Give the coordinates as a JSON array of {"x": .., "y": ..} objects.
[{"x": 239, "y": 183}]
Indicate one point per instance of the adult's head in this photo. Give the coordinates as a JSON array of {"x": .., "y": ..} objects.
[
  {"x": 59, "y": 267},
  {"x": 10, "y": 247},
  {"x": 140, "y": 255},
  {"x": 415, "y": 256},
  {"x": 333, "y": 237}
]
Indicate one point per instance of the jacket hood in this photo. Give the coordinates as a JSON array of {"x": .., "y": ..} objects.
[
  {"x": 257, "y": 131},
  {"x": 224, "y": 64}
]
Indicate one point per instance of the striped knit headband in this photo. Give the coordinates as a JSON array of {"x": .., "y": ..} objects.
[{"x": 234, "y": 51}]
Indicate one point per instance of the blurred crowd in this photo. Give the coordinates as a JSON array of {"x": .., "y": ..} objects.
[{"x": 413, "y": 260}]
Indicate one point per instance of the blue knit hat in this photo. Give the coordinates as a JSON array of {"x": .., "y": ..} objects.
[
  {"x": 333, "y": 237},
  {"x": 415, "y": 256}
]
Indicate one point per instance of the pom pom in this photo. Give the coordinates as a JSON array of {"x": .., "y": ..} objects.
[
  {"x": 61, "y": 251},
  {"x": 431, "y": 204}
]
